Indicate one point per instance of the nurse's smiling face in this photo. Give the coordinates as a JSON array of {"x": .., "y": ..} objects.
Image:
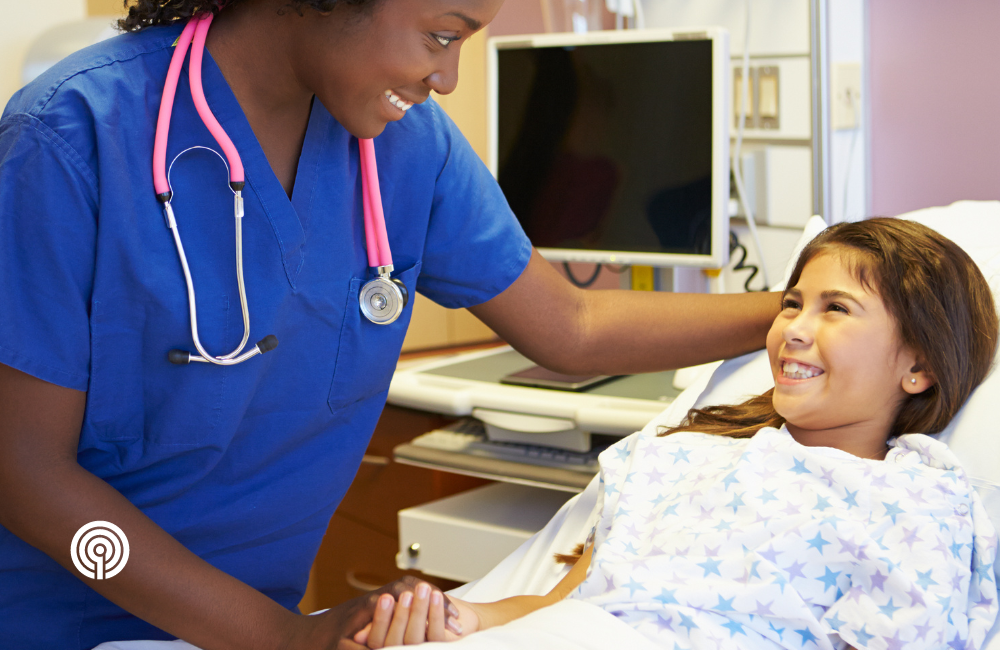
[
  {"x": 368, "y": 66},
  {"x": 839, "y": 369}
]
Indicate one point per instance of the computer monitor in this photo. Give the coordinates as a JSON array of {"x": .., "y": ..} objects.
[{"x": 613, "y": 146}]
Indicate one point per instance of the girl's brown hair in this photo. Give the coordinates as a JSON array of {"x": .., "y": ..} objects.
[{"x": 941, "y": 304}]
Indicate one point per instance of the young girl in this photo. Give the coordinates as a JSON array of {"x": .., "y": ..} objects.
[{"x": 815, "y": 515}]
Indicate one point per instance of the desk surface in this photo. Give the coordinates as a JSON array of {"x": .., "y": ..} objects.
[{"x": 657, "y": 386}]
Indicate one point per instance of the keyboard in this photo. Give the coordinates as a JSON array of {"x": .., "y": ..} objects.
[{"x": 468, "y": 436}]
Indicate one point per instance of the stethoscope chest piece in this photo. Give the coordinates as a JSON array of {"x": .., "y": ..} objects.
[{"x": 383, "y": 299}]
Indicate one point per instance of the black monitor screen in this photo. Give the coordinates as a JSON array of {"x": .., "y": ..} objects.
[{"x": 609, "y": 147}]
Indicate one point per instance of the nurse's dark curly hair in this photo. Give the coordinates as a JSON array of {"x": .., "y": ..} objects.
[{"x": 149, "y": 13}]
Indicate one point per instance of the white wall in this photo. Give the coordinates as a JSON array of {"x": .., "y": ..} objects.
[
  {"x": 849, "y": 175},
  {"x": 22, "y": 23},
  {"x": 777, "y": 27}
]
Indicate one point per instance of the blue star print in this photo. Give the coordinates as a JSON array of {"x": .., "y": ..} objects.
[
  {"x": 734, "y": 627},
  {"x": 767, "y": 495},
  {"x": 889, "y": 609},
  {"x": 633, "y": 586},
  {"x": 863, "y": 636},
  {"x": 667, "y": 597},
  {"x": 680, "y": 454},
  {"x": 725, "y": 604},
  {"x": 925, "y": 579},
  {"x": 818, "y": 542},
  {"x": 799, "y": 467},
  {"x": 829, "y": 578},
  {"x": 710, "y": 566},
  {"x": 892, "y": 509},
  {"x": 807, "y": 635}
]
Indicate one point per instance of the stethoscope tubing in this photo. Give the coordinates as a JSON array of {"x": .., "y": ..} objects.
[{"x": 376, "y": 239}]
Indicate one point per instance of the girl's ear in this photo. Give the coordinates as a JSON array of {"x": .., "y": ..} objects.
[{"x": 917, "y": 380}]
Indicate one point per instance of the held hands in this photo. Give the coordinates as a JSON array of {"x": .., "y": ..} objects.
[
  {"x": 334, "y": 628},
  {"x": 416, "y": 617}
]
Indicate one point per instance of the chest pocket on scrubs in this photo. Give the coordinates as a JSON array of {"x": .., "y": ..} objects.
[{"x": 367, "y": 353}]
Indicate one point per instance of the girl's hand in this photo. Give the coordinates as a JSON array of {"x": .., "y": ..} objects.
[{"x": 416, "y": 617}]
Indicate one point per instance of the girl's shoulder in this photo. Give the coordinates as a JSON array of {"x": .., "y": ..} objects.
[{"x": 918, "y": 448}]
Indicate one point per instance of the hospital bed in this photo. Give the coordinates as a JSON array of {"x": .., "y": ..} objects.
[{"x": 972, "y": 435}]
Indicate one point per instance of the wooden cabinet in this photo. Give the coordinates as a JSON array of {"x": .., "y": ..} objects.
[{"x": 359, "y": 550}]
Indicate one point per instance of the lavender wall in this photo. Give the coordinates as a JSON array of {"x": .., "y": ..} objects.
[{"x": 935, "y": 102}]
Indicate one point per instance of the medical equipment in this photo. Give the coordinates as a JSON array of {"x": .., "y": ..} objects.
[
  {"x": 613, "y": 147},
  {"x": 381, "y": 300}
]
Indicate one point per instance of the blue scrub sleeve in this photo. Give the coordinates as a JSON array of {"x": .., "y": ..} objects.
[
  {"x": 475, "y": 246},
  {"x": 48, "y": 230}
]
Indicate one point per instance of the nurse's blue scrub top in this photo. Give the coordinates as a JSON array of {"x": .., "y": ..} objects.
[{"x": 244, "y": 465}]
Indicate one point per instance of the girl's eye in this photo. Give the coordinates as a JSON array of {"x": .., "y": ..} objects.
[
  {"x": 788, "y": 303},
  {"x": 837, "y": 307},
  {"x": 445, "y": 41}
]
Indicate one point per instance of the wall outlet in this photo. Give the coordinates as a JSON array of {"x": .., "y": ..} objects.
[{"x": 846, "y": 109}]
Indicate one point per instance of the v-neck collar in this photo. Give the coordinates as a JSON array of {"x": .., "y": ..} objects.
[{"x": 282, "y": 212}]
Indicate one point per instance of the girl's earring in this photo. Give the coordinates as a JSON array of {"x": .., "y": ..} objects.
[{"x": 913, "y": 380}]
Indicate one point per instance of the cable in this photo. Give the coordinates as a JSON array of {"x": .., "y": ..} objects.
[
  {"x": 737, "y": 151},
  {"x": 578, "y": 283},
  {"x": 735, "y": 245}
]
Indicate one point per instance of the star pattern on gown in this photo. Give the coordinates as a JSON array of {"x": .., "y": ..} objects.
[{"x": 703, "y": 542}]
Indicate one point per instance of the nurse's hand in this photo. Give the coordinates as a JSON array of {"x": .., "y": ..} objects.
[{"x": 336, "y": 627}]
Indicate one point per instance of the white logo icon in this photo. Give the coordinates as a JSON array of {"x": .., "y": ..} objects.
[{"x": 99, "y": 550}]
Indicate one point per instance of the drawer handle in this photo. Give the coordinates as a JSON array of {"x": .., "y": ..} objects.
[
  {"x": 360, "y": 585},
  {"x": 375, "y": 460}
]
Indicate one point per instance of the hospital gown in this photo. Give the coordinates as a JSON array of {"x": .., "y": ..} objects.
[{"x": 704, "y": 541}]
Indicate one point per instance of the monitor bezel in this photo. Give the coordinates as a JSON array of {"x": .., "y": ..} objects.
[{"x": 721, "y": 110}]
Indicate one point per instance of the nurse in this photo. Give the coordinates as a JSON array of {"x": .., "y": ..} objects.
[{"x": 224, "y": 478}]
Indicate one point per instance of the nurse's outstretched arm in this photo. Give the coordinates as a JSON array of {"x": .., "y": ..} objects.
[
  {"x": 46, "y": 496},
  {"x": 577, "y": 331}
]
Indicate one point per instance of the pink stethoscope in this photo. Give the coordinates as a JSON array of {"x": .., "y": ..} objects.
[{"x": 382, "y": 299}]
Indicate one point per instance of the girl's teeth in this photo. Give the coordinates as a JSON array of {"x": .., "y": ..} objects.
[{"x": 795, "y": 370}]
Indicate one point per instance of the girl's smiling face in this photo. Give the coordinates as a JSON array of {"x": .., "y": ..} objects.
[{"x": 839, "y": 370}]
